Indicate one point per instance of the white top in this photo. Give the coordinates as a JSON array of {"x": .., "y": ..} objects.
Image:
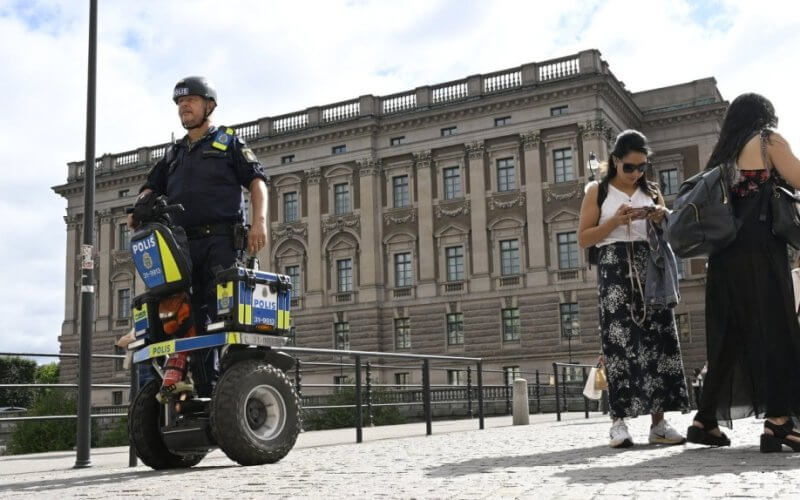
[
  {"x": 613, "y": 200},
  {"x": 796, "y": 286}
]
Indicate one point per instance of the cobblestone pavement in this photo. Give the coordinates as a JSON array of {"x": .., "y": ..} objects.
[{"x": 546, "y": 459}]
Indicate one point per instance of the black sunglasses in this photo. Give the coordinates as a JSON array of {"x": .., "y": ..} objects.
[{"x": 630, "y": 167}]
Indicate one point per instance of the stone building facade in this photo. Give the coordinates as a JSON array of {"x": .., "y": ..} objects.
[{"x": 440, "y": 220}]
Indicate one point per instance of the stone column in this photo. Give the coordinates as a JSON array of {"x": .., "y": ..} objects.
[
  {"x": 480, "y": 280},
  {"x": 103, "y": 248},
  {"x": 595, "y": 135},
  {"x": 70, "y": 294},
  {"x": 426, "y": 280},
  {"x": 370, "y": 260},
  {"x": 314, "y": 294},
  {"x": 537, "y": 239}
]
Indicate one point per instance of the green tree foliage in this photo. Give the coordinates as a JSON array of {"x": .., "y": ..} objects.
[
  {"x": 116, "y": 436},
  {"x": 15, "y": 370},
  {"x": 48, "y": 435},
  {"x": 337, "y": 418}
]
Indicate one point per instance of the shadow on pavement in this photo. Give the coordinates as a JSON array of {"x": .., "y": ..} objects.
[
  {"x": 685, "y": 463},
  {"x": 577, "y": 456},
  {"x": 706, "y": 462},
  {"x": 63, "y": 483}
]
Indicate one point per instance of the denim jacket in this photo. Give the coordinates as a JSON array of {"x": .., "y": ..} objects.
[{"x": 661, "y": 282}]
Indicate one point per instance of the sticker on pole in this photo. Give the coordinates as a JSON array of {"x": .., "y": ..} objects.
[{"x": 87, "y": 261}]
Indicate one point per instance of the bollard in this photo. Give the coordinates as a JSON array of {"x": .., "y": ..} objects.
[{"x": 521, "y": 413}]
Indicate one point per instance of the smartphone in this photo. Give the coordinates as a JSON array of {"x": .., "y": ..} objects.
[{"x": 641, "y": 212}]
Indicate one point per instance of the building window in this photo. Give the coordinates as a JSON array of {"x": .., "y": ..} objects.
[
  {"x": 510, "y": 324},
  {"x": 562, "y": 160},
  {"x": 287, "y": 159},
  {"x": 344, "y": 275},
  {"x": 290, "y": 207},
  {"x": 401, "y": 378},
  {"x": 342, "y": 335},
  {"x": 400, "y": 191},
  {"x": 455, "y": 263},
  {"x": 680, "y": 266},
  {"x": 124, "y": 237},
  {"x": 567, "y": 250},
  {"x": 447, "y": 131},
  {"x": 455, "y": 329},
  {"x": 558, "y": 110},
  {"x": 570, "y": 322},
  {"x": 509, "y": 257},
  {"x": 402, "y": 333},
  {"x": 294, "y": 274},
  {"x": 341, "y": 197},
  {"x": 337, "y": 150},
  {"x": 119, "y": 363},
  {"x": 116, "y": 398},
  {"x": 402, "y": 269},
  {"x": 123, "y": 303},
  {"x": 499, "y": 122},
  {"x": 455, "y": 377},
  {"x": 669, "y": 181},
  {"x": 511, "y": 373},
  {"x": 506, "y": 175},
  {"x": 122, "y": 193},
  {"x": 682, "y": 323},
  {"x": 396, "y": 141},
  {"x": 340, "y": 381},
  {"x": 452, "y": 183}
]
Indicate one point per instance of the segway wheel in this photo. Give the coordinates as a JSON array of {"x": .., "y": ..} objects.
[
  {"x": 255, "y": 413},
  {"x": 145, "y": 418}
]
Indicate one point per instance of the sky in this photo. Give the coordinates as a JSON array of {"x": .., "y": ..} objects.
[{"x": 272, "y": 57}]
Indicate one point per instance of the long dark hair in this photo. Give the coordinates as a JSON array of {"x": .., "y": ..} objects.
[
  {"x": 747, "y": 115},
  {"x": 627, "y": 141}
]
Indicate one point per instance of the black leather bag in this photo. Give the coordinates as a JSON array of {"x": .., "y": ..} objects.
[
  {"x": 784, "y": 204},
  {"x": 702, "y": 221}
]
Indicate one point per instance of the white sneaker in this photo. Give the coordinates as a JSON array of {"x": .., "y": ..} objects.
[
  {"x": 620, "y": 438},
  {"x": 663, "y": 433}
]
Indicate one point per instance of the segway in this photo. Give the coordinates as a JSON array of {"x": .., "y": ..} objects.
[{"x": 253, "y": 413}]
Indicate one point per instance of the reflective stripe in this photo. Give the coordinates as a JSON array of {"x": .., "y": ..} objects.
[{"x": 171, "y": 271}]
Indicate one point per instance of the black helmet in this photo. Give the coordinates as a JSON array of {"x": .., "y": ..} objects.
[{"x": 194, "y": 85}]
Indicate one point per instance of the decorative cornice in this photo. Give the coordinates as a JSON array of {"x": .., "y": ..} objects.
[
  {"x": 475, "y": 150},
  {"x": 452, "y": 209},
  {"x": 595, "y": 129},
  {"x": 575, "y": 191},
  {"x": 401, "y": 216},
  {"x": 503, "y": 202},
  {"x": 422, "y": 159},
  {"x": 289, "y": 230},
  {"x": 312, "y": 176},
  {"x": 369, "y": 166},
  {"x": 338, "y": 222},
  {"x": 530, "y": 140}
]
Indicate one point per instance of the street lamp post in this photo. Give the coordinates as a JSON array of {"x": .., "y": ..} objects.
[
  {"x": 575, "y": 327},
  {"x": 592, "y": 165}
]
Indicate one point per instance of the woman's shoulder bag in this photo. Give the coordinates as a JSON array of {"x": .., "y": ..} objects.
[
  {"x": 702, "y": 221},
  {"x": 784, "y": 203}
]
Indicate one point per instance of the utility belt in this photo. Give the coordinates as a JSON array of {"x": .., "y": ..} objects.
[{"x": 236, "y": 231}]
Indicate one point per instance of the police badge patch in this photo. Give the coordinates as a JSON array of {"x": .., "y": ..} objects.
[{"x": 249, "y": 155}]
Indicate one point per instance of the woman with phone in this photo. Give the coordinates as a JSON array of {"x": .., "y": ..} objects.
[{"x": 640, "y": 344}]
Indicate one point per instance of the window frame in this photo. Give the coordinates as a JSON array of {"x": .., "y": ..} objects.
[
  {"x": 567, "y": 172},
  {"x": 511, "y": 325},
  {"x": 342, "y": 199},
  {"x": 407, "y": 274},
  {"x": 402, "y": 333},
  {"x": 568, "y": 315},
  {"x": 570, "y": 251},
  {"x": 123, "y": 313},
  {"x": 455, "y": 328},
  {"x": 397, "y": 141},
  {"x": 401, "y": 193},
  {"x": 448, "y": 131},
  {"x": 453, "y": 181},
  {"x": 502, "y": 121},
  {"x": 344, "y": 285},
  {"x": 510, "y": 256},
  {"x": 506, "y": 175},
  {"x": 341, "y": 329},
  {"x": 459, "y": 266},
  {"x": 339, "y": 149},
  {"x": 293, "y": 204}
]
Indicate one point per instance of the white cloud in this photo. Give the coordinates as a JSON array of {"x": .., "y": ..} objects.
[{"x": 270, "y": 58}]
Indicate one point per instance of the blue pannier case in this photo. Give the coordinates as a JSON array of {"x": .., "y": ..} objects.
[{"x": 249, "y": 300}]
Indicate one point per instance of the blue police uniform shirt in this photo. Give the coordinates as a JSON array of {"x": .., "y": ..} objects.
[{"x": 206, "y": 180}]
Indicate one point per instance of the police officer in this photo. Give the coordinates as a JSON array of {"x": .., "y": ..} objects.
[{"x": 205, "y": 172}]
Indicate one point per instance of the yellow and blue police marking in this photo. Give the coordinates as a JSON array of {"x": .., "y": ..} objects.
[
  {"x": 205, "y": 341},
  {"x": 223, "y": 138},
  {"x": 140, "y": 320}
]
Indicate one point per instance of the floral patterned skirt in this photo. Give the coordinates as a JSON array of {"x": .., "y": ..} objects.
[{"x": 643, "y": 361}]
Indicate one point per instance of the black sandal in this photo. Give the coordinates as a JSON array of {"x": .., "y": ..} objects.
[
  {"x": 779, "y": 437},
  {"x": 703, "y": 435}
]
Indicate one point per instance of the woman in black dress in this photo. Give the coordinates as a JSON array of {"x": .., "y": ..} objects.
[{"x": 752, "y": 333}]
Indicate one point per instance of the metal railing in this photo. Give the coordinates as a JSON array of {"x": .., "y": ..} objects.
[{"x": 564, "y": 386}]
